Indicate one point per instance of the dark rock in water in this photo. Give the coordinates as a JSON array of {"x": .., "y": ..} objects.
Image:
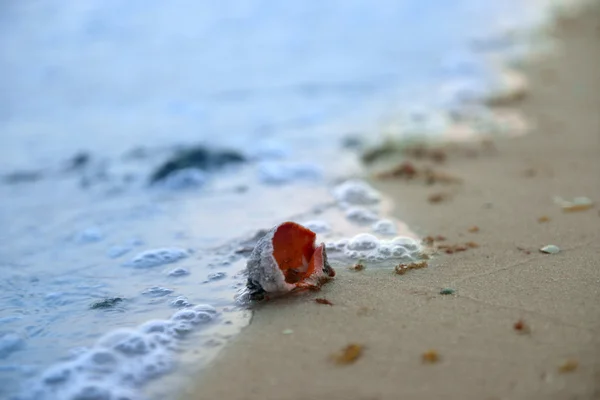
[
  {"x": 22, "y": 177},
  {"x": 107, "y": 303},
  {"x": 198, "y": 157},
  {"x": 78, "y": 161}
]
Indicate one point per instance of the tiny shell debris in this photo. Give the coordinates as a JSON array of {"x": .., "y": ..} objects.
[
  {"x": 323, "y": 301},
  {"x": 432, "y": 177},
  {"x": 437, "y": 197},
  {"x": 401, "y": 269},
  {"x": 543, "y": 218},
  {"x": 577, "y": 204},
  {"x": 447, "y": 291},
  {"x": 568, "y": 366},
  {"x": 530, "y": 172},
  {"x": 430, "y": 357},
  {"x": 550, "y": 249},
  {"x": 357, "y": 267},
  {"x": 474, "y": 229},
  {"x": 457, "y": 248},
  {"x": 524, "y": 250},
  {"x": 521, "y": 327},
  {"x": 405, "y": 170},
  {"x": 428, "y": 241},
  {"x": 408, "y": 171},
  {"x": 348, "y": 355}
]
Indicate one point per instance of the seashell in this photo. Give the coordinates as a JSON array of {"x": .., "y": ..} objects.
[{"x": 285, "y": 259}]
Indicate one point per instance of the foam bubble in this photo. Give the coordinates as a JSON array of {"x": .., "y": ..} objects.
[
  {"x": 356, "y": 192},
  {"x": 368, "y": 247},
  {"x": 317, "y": 226},
  {"x": 89, "y": 235},
  {"x": 206, "y": 308},
  {"x": 340, "y": 245},
  {"x": 120, "y": 361},
  {"x": 180, "y": 302},
  {"x": 157, "y": 291},
  {"x": 160, "y": 326},
  {"x": 385, "y": 227},
  {"x": 156, "y": 257},
  {"x": 179, "y": 272},
  {"x": 194, "y": 316},
  {"x": 407, "y": 243},
  {"x": 216, "y": 276},
  {"x": 361, "y": 215},
  {"x": 363, "y": 241}
]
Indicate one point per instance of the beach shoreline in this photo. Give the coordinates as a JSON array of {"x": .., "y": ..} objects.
[{"x": 519, "y": 323}]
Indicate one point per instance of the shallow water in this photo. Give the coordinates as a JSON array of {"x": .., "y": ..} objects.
[{"x": 282, "y": 82}]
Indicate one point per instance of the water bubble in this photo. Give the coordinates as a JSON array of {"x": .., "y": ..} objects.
[
  {"x": 89, "y": 235},
  {"x": 193, "y": 316},
  {"x": 331, "y": 246},
  {"x": 216, "y": 276},
  {"x": 184, "y": 315},
  {"x": 179, "y": 272},
  {"x": 156, "y": 257},
  {"x": 157, "y": 326},
  {"x": 361, "y": 215},
  {"x": 180, "y": 302},
  {"x": 356, "y": 192},
  {"x": 362, "y": 242},
  {"x": 206, "y": 308},
  {"x": 385, "y": 227},
  {"x": 157, "y": 291},
  {"x": 58, "y": 374},
  {"x": 100, "y": 361},
  {"x": 134, "y": 345},
  {"x": 317, "y": 226},
  {"x": 409, "y": 244}
]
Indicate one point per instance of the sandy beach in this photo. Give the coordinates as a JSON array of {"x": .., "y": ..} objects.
[{"x": 520, "y": 324}]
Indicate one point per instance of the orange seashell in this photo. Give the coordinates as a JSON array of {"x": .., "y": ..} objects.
[{"x": 286, "y": 258}]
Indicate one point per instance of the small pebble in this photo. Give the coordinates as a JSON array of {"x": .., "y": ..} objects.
[
  {"x": 550, "y": 249},
  {"x": 568, "y": 366},
  {"x": 430, "y": 357}
]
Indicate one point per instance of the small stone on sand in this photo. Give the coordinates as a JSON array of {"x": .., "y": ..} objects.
[{"x": 550, "y": 249}]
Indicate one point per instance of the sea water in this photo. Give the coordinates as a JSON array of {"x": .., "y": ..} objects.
[{"x": 112, "y": 288}]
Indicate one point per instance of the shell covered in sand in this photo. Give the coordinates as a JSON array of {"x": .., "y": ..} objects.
[{"x": 287, "y": 258}]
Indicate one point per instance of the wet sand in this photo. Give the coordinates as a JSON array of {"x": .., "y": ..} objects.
[{"x": 506, "y": 279}]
